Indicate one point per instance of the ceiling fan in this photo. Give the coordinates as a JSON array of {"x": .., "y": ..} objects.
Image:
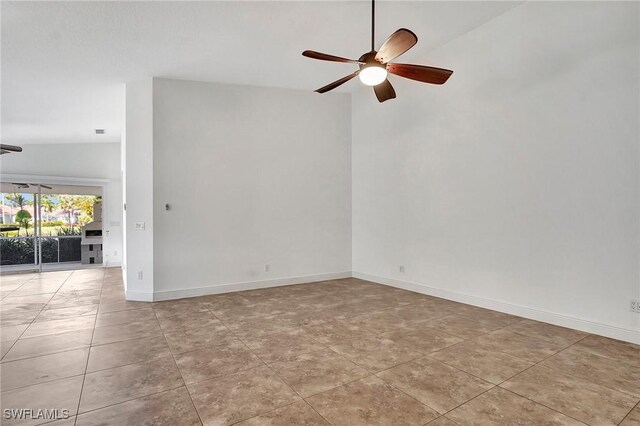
[{"x": 374, "y": 66}]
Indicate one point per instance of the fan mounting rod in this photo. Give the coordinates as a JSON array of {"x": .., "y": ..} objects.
[{"x": 373, "y": 24}]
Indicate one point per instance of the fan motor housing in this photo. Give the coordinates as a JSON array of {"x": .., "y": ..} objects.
[{"x": 369, "y": 60}]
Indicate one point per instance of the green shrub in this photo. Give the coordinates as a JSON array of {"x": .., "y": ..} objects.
[
  {"x": 49, "y": 250},
  {"x": 52, "y": 223},
  {"x": 69, "y": 230},
  {"x": 16, "y": 252},
  {"x": 20, "y": 251}
]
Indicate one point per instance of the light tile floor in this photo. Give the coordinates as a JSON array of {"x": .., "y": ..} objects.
[{"x": 343, "y": 352}]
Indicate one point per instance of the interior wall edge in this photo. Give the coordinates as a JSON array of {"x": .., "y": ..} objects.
[{"x": 601, "y": 329}]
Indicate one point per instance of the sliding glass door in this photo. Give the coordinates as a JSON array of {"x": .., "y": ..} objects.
[
  {"x": 18, "y": 242},
  {"x": 43, "y": 226}
]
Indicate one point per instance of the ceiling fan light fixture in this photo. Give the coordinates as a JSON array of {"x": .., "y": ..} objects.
[
  {"x": 376, "y": 64},
  {"x": 372, "y": 75}
]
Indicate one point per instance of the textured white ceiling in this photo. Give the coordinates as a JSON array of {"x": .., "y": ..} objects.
[{"x": 64, "y": 64}]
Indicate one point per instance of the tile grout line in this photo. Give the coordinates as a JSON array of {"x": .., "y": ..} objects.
[
  {"x": 261, "y": 360},
  {"x": 474, "y": 375},
  {"x": 514, "y": 356},
  {"x": 86, "y": 366},
  {"x": 539, "y": 362},
  {"x": 443, "y": 417},
  {"x": 38, "y": 314},
  {"x": 493, "y": 385},
  {"x": 630, "y": 411},
  {"x": 432, "y": 359},
  {"x": 474, "y": 337},
  {"x": 146, "y": 361},
  {"x": 127, "y": 400},
  {"x": 146, "y": 336},
  {"x": 184, "y": 384},
  {"x": 372, "y": 333},
  {"x": 280, "y": 378},
  {"x": 49, "y": 353},
  {"x": 464, "y": 340},
  {"x": 588, "y": 379},
  {"x": 428, "y": 354},
  {"x": 325, "y": 346},
  {"x": 423, "y": 354},
  {"x": 262, "y": 414},
  {"x": 285, "y": 383},
  {"x": 316, "y": 411},
  {"x": 522, "y": 396},
  {"x": 48, "y": 335}
]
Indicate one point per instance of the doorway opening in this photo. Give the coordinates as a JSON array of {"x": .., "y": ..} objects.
[{"x": 49, "y": 227}]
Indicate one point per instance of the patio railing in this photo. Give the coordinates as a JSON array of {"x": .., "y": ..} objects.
[{"x": 55, "y": 249}]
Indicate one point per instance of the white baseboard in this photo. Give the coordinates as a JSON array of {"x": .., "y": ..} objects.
[
  {"x": 632, "y": 336},
  {"x": 134, "y": 296},
  {"x": 509, "y": 308},
  {"x": 114, "y": 266},
  {"x": 226, "y": 288}
]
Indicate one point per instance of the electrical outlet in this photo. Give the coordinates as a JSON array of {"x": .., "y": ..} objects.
[
  {"x": 635, "y": 306},
  {"x": 139, "y": 275},
  {"x": 267, "y": 267},
  {"x": 401, "y": 269},
  {"x": 140, "y": 226}
]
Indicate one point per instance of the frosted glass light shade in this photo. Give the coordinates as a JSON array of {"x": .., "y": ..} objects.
[{"x": 372, "y": 76}]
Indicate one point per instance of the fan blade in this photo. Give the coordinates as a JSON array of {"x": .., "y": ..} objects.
[
  {"x": 337, "y": 83},
  {"x": 384, "y": 91},
  {"x": 397, "y": 43},
  {"x": 43, "y": 186},
  {"x": 11, "y": 148},
  {"x": 420, "y": 73},
  {"x": 324, "y": 57}
]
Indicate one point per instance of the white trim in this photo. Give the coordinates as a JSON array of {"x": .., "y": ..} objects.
[
  {"x": 138, "y": 297},
  {"x": 632, "y": 336},
  {"x": 226, "y": 288},
  {"x": 60, "y": 180}
]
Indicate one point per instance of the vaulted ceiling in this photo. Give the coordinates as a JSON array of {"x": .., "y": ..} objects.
[{"x": 64, "y": 64}]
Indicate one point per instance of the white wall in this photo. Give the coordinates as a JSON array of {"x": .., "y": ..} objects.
[
  {"x": 79, "y": 161},
  {"x": 253, "y": 176},
  {"x": 516, "y": 184},
  {"x": 137, "y": 178}
]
